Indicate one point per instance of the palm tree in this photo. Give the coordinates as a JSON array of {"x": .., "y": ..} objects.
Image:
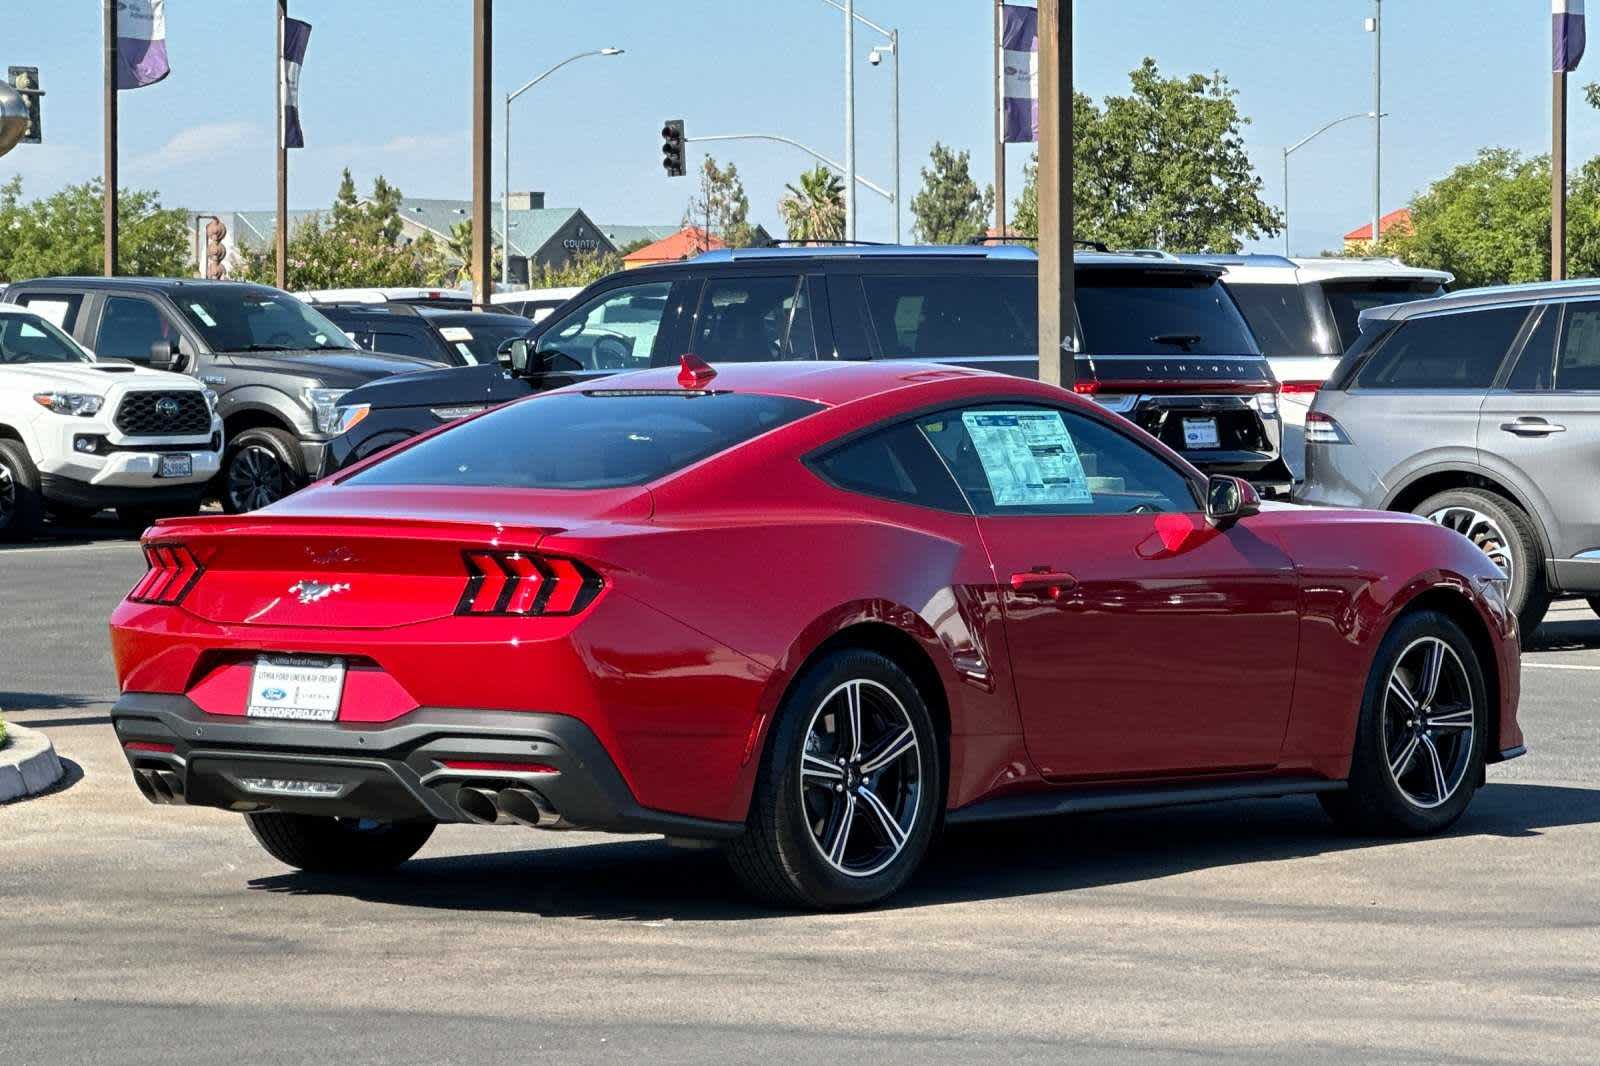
[{"x": 814, "y": 211}]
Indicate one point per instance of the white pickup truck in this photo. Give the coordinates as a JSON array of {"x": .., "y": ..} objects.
[{"x": 79, "y": 434}]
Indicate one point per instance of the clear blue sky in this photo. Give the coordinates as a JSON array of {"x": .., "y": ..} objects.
[{"x": 386, "y": 90}]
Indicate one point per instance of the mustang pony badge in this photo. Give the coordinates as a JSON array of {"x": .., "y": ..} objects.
[{"x": 315, "y": 591}]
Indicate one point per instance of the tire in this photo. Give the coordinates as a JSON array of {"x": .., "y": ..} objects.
[
  {"x": 1411, "y": 802},
  {"x": 1506, "y": 534},
  {"x": 21, "y": 507},
  {"x": 794, "y": 817},
  {"x": 262, "y": 466},
  {"x": 321, "y": 844}
]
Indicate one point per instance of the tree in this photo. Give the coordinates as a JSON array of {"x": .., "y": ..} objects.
[
  {"x": 576, "y": 272},
  {"x": 64, "y": 233},
  {"x": 458, "y": 254},
  {"x": 815, "y": 210},
  {"x": 721, "y": 207},
  {"x": 1163, "y": 167},
  {"x": 950, "y": 208}
]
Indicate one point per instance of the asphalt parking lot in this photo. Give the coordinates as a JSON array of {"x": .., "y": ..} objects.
[{"x": 1245, "y": 932}]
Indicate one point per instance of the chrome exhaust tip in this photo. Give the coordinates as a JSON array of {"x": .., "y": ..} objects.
[
  {"x": 520, "y": 805},
  {"x": 145, "y": 779},
  {"x": 170, "y": 783},
  {"x": 477, "y": 804}
]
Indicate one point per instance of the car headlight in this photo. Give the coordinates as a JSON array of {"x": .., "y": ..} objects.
[
  {"x": 1265, "y": 402},
  {"x": 325, "y": 408},
  {"x": 351, "y": 416},
  {"x": 69, "y": 403}
]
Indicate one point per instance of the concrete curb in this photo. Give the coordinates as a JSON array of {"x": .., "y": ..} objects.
[{"x": 28, "y": 763}]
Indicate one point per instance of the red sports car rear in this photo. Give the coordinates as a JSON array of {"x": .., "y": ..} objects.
[{"x": 808, "y": 611}]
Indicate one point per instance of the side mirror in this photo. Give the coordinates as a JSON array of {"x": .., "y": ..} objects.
[
  {"x": 163, "y": 356},
  {"x": 1229, "y": 499},
  {"x": 554, "y": 362},
  {"x": 515, "y": 354}
]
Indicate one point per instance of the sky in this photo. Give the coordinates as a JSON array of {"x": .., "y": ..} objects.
[{"x": 386, "y": 90}]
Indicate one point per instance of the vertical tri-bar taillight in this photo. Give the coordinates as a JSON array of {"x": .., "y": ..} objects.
[
  {"x": 522, "y": 583},
  {"x": 173, "y": 571}
]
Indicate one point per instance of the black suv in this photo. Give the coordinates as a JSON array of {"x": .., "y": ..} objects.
[
  {"x": 279, "y": 368},
  {"x": 447, "y": 336},
  {"x": 1160, "y": 340}
]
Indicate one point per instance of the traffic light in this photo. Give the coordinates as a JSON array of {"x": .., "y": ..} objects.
[
  {"x": 672, "y": 147},
  {"x": 26, "y": 81}
]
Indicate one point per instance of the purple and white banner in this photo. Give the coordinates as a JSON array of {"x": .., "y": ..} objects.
[
  {"x": 296, "y": 35},
  {"x": 1568, "y": 34},
  {"x": 141, "y": 43},
  {"x": 1019, "y": 58}
]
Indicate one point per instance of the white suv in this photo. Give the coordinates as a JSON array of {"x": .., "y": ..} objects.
[
  {"x": 1303, "y": 313},
  {"x": 78, "y": 434}
]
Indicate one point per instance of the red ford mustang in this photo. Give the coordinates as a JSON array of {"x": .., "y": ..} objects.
[{"x": 810, "y": 611}]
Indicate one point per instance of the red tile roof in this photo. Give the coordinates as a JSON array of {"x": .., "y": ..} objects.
[
  {"x": 687, "y": 242},
  {"x": 1399, "y": 218}
]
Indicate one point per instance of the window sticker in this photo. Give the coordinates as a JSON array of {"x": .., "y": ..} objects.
[
  {"x": 1028, "y": 457},
  {"x": 455, "y": 333},
  {"x": 203, "y": 315},
  {"x": 52, "y": 311}
]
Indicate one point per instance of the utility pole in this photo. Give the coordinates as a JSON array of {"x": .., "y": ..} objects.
[
  {"x": 109, "y": 9},
  {"x": 482, "y": 147},
  {"x": 281, "y": 238},
  {"x": 999, "y": 124},
  {"x": 894, "y": 120},
  {"x": 850, "y": 119},
  {"x": 1057, "y": 340},
  {"x": 1377, "y": 121}
]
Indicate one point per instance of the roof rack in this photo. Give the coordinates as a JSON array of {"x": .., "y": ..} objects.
[{"x": 789, "y": 242}]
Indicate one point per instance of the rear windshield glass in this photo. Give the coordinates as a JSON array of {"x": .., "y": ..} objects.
[
  {"x": 1347, "y": 299},
  {"x": 949, "y": 315},
  {"x": 591, "y": 440},
  {"x": 1137, "y": 312},
  {"x": 1282, "y": 318}
]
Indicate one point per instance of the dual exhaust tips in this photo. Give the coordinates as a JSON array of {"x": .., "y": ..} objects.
[
  {"x": 524, "y": 806},
  {"x": 159, "y": 786}
]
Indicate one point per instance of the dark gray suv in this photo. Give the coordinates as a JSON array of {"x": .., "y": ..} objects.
[
  {"x": 1479, "y": 410},
  {"x": 279, "y": 368}
]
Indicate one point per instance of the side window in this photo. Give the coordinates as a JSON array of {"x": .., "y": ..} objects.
[
  {"x": 57, "y": 308},
  {"x": 398, "y": 343},
  {"x": 894, "y": 464},
  {"x": 614, "y": 331},
  {"x": 1535, "y": 369},
  {"x": 1578, "y": 359},
  {"x": 128, "y": 328},
  {"x": 1462, "y": 350},
  {"x": 1029, "y": 460},
  {"x": 948, "y": 315},
  {"x": 750, "y": 320}
]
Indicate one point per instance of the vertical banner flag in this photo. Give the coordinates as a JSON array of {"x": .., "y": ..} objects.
[
  {"x": 141, "y": 43},
  {"x": 1569, "y": 34},
  {"x": 296, "y": 35},
  {"x": 1019, "y": 55}
]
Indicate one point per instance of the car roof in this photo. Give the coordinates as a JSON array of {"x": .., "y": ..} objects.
[
  {"x": 1141, "y": 260},
  {"x": 826, "y": 382},
  {"x": 1259, "y": 269},
  {"x": 1488, "y": 296},
  {"x": 445, "y": 316},
  {"x": 141, "y": 284}
]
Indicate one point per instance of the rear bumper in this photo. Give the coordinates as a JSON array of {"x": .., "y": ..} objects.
[{"x": 390, "y": 771}]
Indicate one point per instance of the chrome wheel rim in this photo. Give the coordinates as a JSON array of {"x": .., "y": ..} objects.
[
  {"x": 1429, "y": 723},
  {"x": 1479, "y": 528},
  {"x": 256, "y": 478},
  {"x": 8, "y": 497},
  {"x": 860, "y": 778}
]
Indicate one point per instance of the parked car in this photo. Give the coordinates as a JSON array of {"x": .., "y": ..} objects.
[
  {"x": 442, "y": 336},
  {"x": 279, "y": 368},
  {"x": 454, "y": 299},
  {"x": 1480, "y": 411},
  {"x": 1303, "y": 313},
  {"x": 79, "y": 434},
  {"x": 533, "y": 303},
  {"x": 936, "y": 597},
  {"x": 1161, "y": 341}
]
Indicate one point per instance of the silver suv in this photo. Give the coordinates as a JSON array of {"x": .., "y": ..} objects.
[{"x": 1481, "y": 411}]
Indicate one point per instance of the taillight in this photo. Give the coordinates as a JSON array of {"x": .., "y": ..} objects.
[
  {"x": 1324, "y": 429},
  {"x": 1290, "y": 388},
  {"x": 1085, "y": 388},
  {"x": 520, "y": 583},
  {"x": 173, "y": 571}
]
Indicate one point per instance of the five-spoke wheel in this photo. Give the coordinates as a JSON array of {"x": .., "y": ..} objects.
[{"x": 1429, "y": 722}]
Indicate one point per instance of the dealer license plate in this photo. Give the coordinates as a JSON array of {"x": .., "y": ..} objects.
[
  {"x": 179, "y": 465},
  {"x": 292, "y": 686},
  {"x": 1200, "y": 433}
]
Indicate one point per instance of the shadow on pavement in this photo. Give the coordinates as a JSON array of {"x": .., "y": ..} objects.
[
  {"x": 634, "y": 880},
  {"x": 20, "y": 702}
]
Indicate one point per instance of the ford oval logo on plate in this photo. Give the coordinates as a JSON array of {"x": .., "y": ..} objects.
[{"x": 274, "y": 694}]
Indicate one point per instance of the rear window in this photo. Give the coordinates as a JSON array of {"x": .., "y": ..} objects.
[
  {"x": 591, "y": 440},
  {"x": 1347, "y": 299},
  {"x": 1452, "y": 351},
  {"x": 941, "y": 316},
  {"x": 1284, "y": 320},
  {"x": 1139, "y": 312}
]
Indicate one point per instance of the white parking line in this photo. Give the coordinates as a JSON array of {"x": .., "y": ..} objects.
[{"x": 1557, "y": 666}]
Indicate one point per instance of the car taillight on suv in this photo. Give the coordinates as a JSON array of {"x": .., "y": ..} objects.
[
  {"x": 1324, "y": 429},
  {"x": 522, "y": 584},
  {"x": 173, "y": 571}
]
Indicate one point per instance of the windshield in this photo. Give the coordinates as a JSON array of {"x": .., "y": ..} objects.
[
  {"x": 480, "y": 343},
  {"x": 1284, "y": 320},
  {"x": 1347, "y": 299},
  {"x": 257, "y": 320},
  {"x": 30, "y": 339},
  {"x": 578, "y": 440},
  {"x": 1140, "y": 312}
]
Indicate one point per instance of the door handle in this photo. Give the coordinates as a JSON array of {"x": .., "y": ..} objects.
[
  {"x": 1531, "y": 426},
  {"x": 1043, "y": 582}
]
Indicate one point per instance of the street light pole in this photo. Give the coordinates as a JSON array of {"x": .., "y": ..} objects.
[
  {"x": 893, "y": 48},
  {"x": 505, "y": 192},
  {"x": 1376, "y": 25},
  {"x": 1301, "y": 143},
  {"x": 850, "y": 118}
]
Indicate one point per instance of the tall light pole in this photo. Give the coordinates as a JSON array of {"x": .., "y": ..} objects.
[
  {"x": 850, "y": 119},
  {"x": 875, "y": 57},
  {"x": 1295, "y": 147},
  {"x": 505, "y": 193},
  {"x": 1375, "y": 27}
]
